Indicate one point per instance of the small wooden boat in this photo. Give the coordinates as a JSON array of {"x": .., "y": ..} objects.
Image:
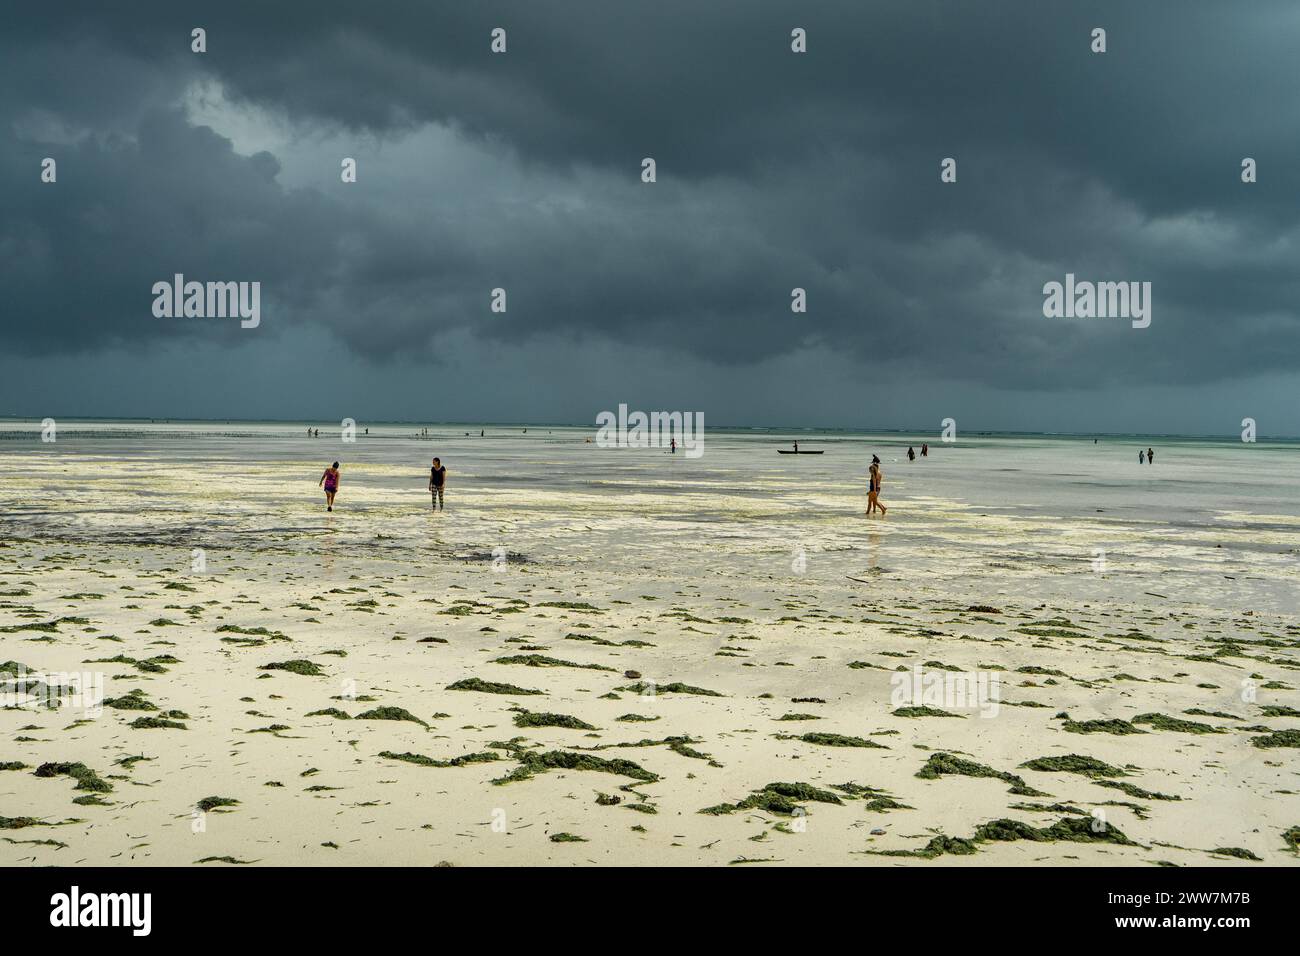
[{"x": 790, "y": 451}]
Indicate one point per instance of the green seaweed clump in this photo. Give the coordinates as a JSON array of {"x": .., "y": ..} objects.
[
  {"x": 883, "y": 804},
  {"x": 135, "y": 700},
  {"x": 945, "y": 764},
  {"x": 18, "y": 823},
  {"x": 1111, "y": 726},
  {"x": 1067, "y": 829},
  {"x": 1070, "y": 829},
  {"x": 251, "y": 632},
  {"x": 391, "y": 713},
  {"x": 530, "y": 719},
  {"x": 835, "y": 740},
  {"x": 1165, "y": 722},
  {"x": 490, "y": 687},
  {"x": 485, "y": 756},
  {"x": 1292, "y": 838},
  {"x": 1278, "y": 738},
  {"x": 156, "y": 723},
  {"x": 541, "y": 660},
  {"x": 532, "y": 763},
  {"x": 676, "y": 687},
  {"x": 224, "y": 859},
  {"x": 923, "y": 712},
  {"x": 1134, "y": 791},
  {"x": 1277, "y": 710},
  {"x": 1235, "y": 851},
  {"x": 86, "y": 778},
  {"x": 938, "y": 846},
  {"x": 304, "y": 667},
  {"x": 1074, "y": 763},
  {"x": 781, "y": 798},
  {"x": 212, "y": 803}
]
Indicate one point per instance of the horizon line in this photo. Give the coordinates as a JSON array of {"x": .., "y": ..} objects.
[{"x": 988, "y": 432}]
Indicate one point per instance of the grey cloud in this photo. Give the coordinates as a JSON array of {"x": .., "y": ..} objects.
[{"x": 775, "y": 171}]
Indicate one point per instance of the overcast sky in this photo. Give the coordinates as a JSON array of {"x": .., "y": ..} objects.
[{"x": 775, "y": 170}]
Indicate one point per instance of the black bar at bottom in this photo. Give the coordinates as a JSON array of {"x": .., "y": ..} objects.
[{"x": 373, "y": 905}]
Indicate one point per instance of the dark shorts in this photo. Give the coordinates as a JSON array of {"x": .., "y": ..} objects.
[{"x": 329, "y": 488}]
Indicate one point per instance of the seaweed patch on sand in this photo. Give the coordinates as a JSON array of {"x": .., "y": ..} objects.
[
  {"x": 527, "y": 718},
  {"x": 945, "y": 764},
  {"x": 86, "y": 778},
  {"x": 1074, "y": 763},
  {"x": 304, "y": 667},
  {"x": 532, "y": 763},
  {"x": 832, "y": 740},
  {"x": 491, "y": 687},
  {"x": 464, "y": 760},
  {"x": 1069, "y": 829}
]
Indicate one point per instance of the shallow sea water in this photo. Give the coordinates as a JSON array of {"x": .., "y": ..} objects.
[{"x": 1211, "y": 524}]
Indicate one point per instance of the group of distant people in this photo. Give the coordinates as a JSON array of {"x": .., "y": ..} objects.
[{"x": 329, "y": 480}]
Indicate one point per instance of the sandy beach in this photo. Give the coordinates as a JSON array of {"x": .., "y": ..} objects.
[{"x": 600, "y": 656}]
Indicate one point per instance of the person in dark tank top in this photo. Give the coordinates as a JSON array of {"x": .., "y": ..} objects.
[{"x": 437, "y": 482}]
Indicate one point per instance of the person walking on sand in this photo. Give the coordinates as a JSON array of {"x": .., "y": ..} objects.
[
  {"x": 925, "y": 450},
  {"x": 330, "y": 479},
  {"x": 672, "y": 446},
  {"x": 873, "y": 486},
  {"x": 911, "y": 453},
  {"x": 1151, "y": 456},
  {"x": 1142, "y": 457},
  {"x": 437, "y": 481}
]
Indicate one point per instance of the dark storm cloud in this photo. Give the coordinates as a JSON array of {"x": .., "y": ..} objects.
[{"x": 776, "y": 171}]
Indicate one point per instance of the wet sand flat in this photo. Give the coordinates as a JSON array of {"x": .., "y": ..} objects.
[{"x": 658, "y": 674}]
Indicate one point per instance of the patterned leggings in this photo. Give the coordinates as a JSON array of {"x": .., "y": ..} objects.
[{"x": 437, "y": 495}]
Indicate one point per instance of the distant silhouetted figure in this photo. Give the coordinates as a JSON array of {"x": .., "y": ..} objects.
[
  {"x": 1142, "y": 457},
  {"x": 911, "y": 454},
  {"x": 1151, "y": 456}
]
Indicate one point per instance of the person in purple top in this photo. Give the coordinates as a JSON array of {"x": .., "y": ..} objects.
[{"x": 330, "y": 479}]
